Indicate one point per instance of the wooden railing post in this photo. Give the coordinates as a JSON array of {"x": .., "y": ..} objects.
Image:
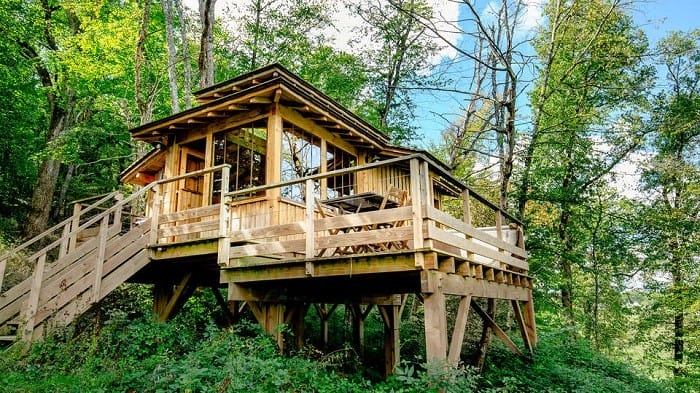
[
  {"x": 117, "y": 221},
  {"x": 32, "y": 305},
  {"x": 99, "y": 262},
  {"x": 3, "y": 264},
  {"x": 155, "y": 212},
  {"x": 417, "y": 209},
  {"x": 224, "y": 248},
  {"x": 309, "y": 226},
  {"x": 65, "y": 240},
  {"x": 74, "y": 226}
]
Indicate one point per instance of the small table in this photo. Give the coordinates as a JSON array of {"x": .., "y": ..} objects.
[{"x": 358, "y": 203}]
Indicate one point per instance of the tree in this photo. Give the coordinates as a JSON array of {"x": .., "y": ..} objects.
[
  {"x": 671, "y": 179},
  {"x": 399, "y": 63},
  {"x": 586, "y": 101},
  {"x": 206, "y": 44}
]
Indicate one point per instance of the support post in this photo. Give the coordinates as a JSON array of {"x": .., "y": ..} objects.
[
  {"x": 309, "y": 227},
  {"x": 417, "y": 208},
  {"x": 224, "y": 246},
  {"x": 521, "y": 324},
  {"x": 155, "y": 212},
  {"x": 529, "y": 318},
  {"x": 435, "y": 327},
  {"x": 391, "y": 314}
]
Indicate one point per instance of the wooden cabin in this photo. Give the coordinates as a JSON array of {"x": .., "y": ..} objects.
[{"x": 290, "y": 201}]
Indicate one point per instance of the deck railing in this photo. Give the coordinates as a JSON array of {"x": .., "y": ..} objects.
[
  {"x": 297, "y": 219},
  {"x": 275, "y": 227}
]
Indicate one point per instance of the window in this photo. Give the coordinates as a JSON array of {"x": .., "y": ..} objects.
[
  {"x": 244, "y": 149},
  {"x": 302, "y": 157}
]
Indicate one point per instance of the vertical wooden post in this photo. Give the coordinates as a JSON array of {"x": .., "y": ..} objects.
[
  {"x": 309, "y": 227},
  {"x": 358, "y": 329},
  {"x": 273, "y": 169},
  {"x": 325, "y": 314},
  {"x": 466, "y": 207},
  {"x": 3, "y": 264},
  {"x": 522, "y": 325},
  {"x": 224, "y": 247},
  {"x": 155, "y": 212},
  {"x": 32, "y": 305},
  {"x": 417, "y": 209},
  {"x": 117, "y": 217},
  {"x": 391, "y": 314},
  {"x": 99, "y": 262},
  {"x": 435, "y": 327},
  {"x": 465, "y": 269},
  {"x": 323, "y": 169},
  {"x": 74, "y": 226},
  {"x": 529, "y": 318},
  {"x": 207, "y": 186},
  {"x": 65, "y": 240}
]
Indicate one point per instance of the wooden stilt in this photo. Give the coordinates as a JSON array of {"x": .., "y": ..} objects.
[
  {"x": 324, "y": 314},
  {"x": 521, "y": 324},
  {"x": 391, "y": 315},
  {"x": 358, "y": 327},
  {"x": 529, "y": 319},
  {"x": 435, "y": 327}
]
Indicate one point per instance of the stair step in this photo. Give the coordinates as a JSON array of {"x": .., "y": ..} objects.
[
  {"x": 8, "y": 338},
  {"x": 12, "y": 323}
]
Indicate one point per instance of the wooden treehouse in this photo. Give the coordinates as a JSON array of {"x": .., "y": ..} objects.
[{"x": 270, "y": 189}]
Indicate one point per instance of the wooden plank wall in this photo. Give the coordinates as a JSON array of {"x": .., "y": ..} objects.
[{"x": 380, "y": 180}]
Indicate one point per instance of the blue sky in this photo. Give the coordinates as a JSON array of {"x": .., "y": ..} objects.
[{"x": 656, "y": 17}]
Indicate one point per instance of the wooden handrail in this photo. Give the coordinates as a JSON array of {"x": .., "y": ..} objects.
[
  {"x": 55, "y": 227},
  {"x": 191, "y": 174}
]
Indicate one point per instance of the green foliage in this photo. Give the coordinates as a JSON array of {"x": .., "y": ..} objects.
[
  {"x": 560, "y": 365},
  {"x": 137, "y": 354}
]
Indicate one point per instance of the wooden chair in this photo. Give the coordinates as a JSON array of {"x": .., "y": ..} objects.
[
  {"x": 325, "y": 214},
  {"x": 402, "y": 199}
]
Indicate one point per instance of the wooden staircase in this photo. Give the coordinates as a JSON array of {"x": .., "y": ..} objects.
[{"x": 75, "y": 264}]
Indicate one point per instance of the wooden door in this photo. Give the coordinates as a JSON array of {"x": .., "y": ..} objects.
[{"x": 190, "y": 190}]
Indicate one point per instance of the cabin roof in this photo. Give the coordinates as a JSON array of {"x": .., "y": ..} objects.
[
  {"x": 249, "y": 96},
  {"x": 253, "y": 93}
]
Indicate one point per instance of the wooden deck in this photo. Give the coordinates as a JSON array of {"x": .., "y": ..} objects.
[{"x": 282, "y": 247}]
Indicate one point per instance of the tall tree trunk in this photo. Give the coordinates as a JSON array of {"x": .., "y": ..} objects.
[
  {"x": 61, "y": 109},
  {"x": 206, "y": 45},
  {"x": 185, "y": 53},
  {"x": 258, "y": 8},
  {"x": 144, "y": 99},
  {"x": 678, "y": 319},
  {"x": 172, "y": 54}
]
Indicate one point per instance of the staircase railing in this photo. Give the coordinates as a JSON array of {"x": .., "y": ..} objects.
[{"x": 67, "y": 242}]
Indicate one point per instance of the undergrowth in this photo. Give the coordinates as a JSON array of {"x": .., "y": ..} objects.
[{"x": 121, "y": 349}]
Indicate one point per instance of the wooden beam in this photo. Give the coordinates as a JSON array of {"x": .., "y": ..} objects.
[
  {"x": 182, "y": 292},
  {"x": 496, "y": 329},
  {"x": 458, "y": 331},
  {"x": 302, "y": 122},
  {"x": 392, "y": 323},
  {"x": 521, "y": 324},
  {"x": 435, "y": 323},
  {"x": 529, "y": 319}
]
